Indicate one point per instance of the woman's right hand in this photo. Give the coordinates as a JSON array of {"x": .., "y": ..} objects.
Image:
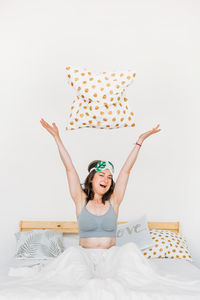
[{"x": 51, "y": 129}]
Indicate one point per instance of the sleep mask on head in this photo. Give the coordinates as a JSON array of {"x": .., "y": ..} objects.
[{"x": 102, "y": 165}]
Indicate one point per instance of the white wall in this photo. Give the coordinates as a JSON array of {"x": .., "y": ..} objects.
[{"x": 157, "y": 38}]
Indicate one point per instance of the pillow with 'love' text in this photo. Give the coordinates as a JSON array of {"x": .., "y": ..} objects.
[
  {"x": 100, "y": 99},
  {"x": 136, "y": 231}
]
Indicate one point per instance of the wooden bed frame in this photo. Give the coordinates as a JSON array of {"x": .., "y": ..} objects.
[{"x": 72, "y": 226}]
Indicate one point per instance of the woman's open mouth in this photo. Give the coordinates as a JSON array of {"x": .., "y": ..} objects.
[{"x": 103, "y": 186}]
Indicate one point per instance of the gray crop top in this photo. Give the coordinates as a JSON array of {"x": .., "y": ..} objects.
[{"x": 91, "y": 225}]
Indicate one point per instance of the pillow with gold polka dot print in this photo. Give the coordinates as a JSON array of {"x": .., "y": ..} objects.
[
  {"x": 100, "y": 99},
  {"x": 159, "y": 249},
  {"x": 176, "y": 246},
  {"x": 168, "y": 244}
]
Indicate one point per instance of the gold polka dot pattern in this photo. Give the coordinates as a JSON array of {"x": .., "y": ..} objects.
[
  {"x": 168, "y": 244},
  {"x": 158, "y": 251},
  {"x": 100, "y": 101}
]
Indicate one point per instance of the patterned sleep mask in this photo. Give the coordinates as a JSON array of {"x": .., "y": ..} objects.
[{"x": 102, "y": 165}]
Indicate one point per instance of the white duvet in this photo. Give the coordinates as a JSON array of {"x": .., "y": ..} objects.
[{"x": 114, "y": 273}]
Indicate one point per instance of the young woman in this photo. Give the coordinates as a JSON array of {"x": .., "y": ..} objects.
[
  {"x": 97, "y": 204},
  {"x": 97, "y": 268}
]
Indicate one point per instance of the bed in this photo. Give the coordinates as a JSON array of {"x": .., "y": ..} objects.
[{"x": 184, "y": 273}]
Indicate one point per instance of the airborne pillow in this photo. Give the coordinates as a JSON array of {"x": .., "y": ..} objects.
[{"x": 100, "y": 101}]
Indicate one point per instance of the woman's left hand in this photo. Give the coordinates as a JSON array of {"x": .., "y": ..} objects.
[{"x": 148, "y": 133}]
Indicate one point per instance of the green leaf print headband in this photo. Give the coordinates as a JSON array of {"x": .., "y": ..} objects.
[{"x": 102, "y": 165}]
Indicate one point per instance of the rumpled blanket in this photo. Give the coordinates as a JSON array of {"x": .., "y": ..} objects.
[{"x": 116, "y": 273}]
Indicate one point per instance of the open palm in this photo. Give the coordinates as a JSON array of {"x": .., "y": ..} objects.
[
  {"x": 51, "y": 129},
  {"x": 150, "y": 132}
]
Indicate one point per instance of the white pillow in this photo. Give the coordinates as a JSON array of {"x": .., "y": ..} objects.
[
  {"x": 70, "y": 239},
  {"x": 176, "y": 246},
  {"x": 100, "y": 101},
  {"x": 158, "y": 250},
  {"x": 38, "y": 244},
  {"x": 168, "y": 244},
  {"x": 136, "y": 231}
]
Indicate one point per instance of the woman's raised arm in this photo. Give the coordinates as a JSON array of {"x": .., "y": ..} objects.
[
  {"x": 124, "y": 173},
  {"x": 72, "y": 175}
]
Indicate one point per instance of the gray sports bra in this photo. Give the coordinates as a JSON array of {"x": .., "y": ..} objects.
[{"x": 91, "y": 225}]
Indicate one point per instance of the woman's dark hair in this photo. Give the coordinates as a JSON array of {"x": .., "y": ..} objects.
[{"x": 88, "y": 185}]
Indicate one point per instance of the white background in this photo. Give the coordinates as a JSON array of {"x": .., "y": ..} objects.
[{"x": 158, "y": 39}]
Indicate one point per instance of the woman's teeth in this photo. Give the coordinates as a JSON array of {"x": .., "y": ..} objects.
[{"x": 102, "y": 185}]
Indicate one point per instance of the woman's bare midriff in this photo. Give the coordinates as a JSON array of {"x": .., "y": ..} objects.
[
  {"x": 99, "y": 242},
  {"x": 96, "y": 242}
]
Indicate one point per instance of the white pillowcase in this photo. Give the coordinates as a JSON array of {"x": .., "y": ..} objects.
[
  {"x": 135, "y": 231},
  {"x": 70, "y": 239},
  {"x": 168, "y": 244}
]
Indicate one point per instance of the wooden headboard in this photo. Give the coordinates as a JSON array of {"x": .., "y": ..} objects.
[{"x": 72, "y": 226}]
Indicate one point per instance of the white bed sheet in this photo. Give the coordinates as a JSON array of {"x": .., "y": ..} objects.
[
  {"x": 171, "y": 268},
  {"x": 164, "y": 266},
  {"x": 102, "y": 289},
  {"x": 167, "y": 267}
]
